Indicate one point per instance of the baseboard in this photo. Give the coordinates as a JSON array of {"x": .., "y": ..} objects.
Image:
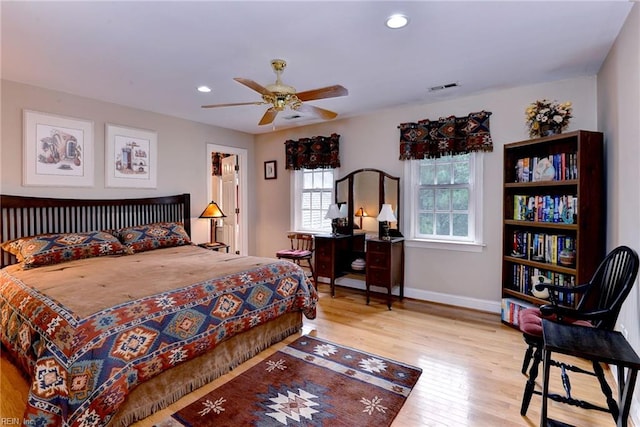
[
  {"x": 455, "y": 300},
  {"x": 420, "y": 294}
]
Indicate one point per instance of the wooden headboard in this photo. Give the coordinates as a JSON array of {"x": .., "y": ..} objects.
[{"x": 28, "y": 216}]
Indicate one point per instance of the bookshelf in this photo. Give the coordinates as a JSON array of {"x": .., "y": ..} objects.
[{"x": 553, "y": 215}]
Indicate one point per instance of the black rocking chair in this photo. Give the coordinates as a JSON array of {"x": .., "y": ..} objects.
[{"x": 599, "y": 305}]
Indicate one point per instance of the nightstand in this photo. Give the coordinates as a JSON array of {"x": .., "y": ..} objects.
[{"x": 215, "y": 246}]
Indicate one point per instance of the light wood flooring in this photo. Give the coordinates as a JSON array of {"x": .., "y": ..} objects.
[{"x": 471, "y": 364}]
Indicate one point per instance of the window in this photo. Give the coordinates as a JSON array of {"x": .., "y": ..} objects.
[
  {"x": 312, "y": 195},
  {"x": 445, "y": 199}
]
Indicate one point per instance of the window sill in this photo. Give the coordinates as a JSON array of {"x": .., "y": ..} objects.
[{"x": 447, "y": 246}]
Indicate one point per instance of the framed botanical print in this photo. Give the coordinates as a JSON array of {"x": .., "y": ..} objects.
[
  {"x": 57, "y": 150},
  {"x": 131, "y": 158}
]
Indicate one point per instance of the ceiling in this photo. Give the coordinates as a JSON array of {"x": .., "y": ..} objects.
[{"x": 153, "y": 55}]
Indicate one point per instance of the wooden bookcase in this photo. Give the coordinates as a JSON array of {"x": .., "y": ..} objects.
[{"x": 531, "y": 217}]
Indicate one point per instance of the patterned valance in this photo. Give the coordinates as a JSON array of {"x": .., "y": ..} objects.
[
  {"x": 446, "y": 136},
  {"x": 313, "y": 153}
]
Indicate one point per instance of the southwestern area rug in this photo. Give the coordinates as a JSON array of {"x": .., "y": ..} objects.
[{"x": 310, "y": 382}]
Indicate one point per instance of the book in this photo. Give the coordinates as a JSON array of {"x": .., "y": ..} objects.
[
  {"x": 525, "y": 170},
  {"x": 519, "y": 170}
]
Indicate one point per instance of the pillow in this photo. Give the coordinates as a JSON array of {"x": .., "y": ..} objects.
[
  {"x": 48, "y": 249},
  {"x": 13, "y": 247},
  {"x": 153, "y": 236}
]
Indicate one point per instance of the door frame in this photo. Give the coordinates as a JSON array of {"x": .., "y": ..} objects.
[{"x": 243, "y": 197}]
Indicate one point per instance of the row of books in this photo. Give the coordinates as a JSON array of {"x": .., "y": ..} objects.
[
  {"x": 546, "y": 208},
  {"x": 543, "y": 247},
  {"x": 555, "y": 167},
  {"x": 524, "y": 277},
  {"x": 510, "y": 309}
]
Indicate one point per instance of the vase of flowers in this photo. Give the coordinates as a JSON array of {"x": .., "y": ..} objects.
[{"x": 545, "y": 117}]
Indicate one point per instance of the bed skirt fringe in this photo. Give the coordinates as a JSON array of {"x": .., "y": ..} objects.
[{"x": 160, "y": 392}]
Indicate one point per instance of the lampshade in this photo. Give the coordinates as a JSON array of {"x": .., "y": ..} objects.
[
  {"x": 333, "y": 212},
  {"x": 386, "y": 214},
  {"x": 344, "y": 210},
  {"x": 361, "y": 213},
  {"x": 212, "y": 211}
]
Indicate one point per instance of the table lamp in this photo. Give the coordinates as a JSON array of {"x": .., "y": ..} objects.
[
  {"x": 333, "y": 213},
  {"x": 385, "y": 216},
  {"x": 361, "y": 213},
  {"x": 212, "y": 212}
]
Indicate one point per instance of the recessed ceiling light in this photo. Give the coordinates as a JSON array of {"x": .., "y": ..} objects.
[
  {"x": 397, "y": 21},
  {"x": 204, "y": 89}
]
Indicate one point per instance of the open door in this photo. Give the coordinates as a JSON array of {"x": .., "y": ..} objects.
[
  {"x": 229, "y": 190},
  {"x": 229, "y": 199}
]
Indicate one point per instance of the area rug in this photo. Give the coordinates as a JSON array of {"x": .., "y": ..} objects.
[{"x": 310, "y": 382}]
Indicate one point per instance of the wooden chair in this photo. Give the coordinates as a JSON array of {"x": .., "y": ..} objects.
[
  {"x": 301, "y": 250},
  {"x": 599, "y": 305}
]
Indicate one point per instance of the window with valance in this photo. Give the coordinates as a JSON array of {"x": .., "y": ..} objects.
[
  {"x": 445, "y": 136},
  {"x": 313, "y": 153}
]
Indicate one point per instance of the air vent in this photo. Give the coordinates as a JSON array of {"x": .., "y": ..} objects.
[{"x": 442, "y": 87}]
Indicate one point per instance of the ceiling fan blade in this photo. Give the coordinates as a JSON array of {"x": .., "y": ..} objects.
[
  {"x": 325, "y": 92},
  {"x": 253, "y": 85},
  {"x": 233, "y": 104},
  {"x": 269, "y": 116},
  {"x": 321, "y": 112}
]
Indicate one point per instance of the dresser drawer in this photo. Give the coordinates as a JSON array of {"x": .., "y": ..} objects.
[
  {"x": 377, "y": 246},
  {"x": 377, "y": 276},
  {"x": 324, "y": 268},
  {"x": 323, "y": 251},
  {"x": 377, "y": 259},
  {"x": 323, "y": 256}
]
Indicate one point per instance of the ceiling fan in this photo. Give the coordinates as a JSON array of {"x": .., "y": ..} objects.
[{"x": 280, "y": 96}]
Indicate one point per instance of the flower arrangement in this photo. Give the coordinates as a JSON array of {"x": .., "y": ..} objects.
[{"x": 546, "y": 117}]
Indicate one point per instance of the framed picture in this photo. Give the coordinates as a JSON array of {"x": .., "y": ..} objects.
[
  {"x": 270, "y": 170},
  {"x": 131, "y": 159},
  {"x": 57, "y": 150}
]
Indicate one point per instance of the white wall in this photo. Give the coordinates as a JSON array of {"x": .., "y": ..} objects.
[
  {"x": 618, "y": 113},
  {"x": 373, "y": 141},
  {"x": 181, "y": 148}
]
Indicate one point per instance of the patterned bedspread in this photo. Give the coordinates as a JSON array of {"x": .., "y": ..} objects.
[{"x": 83, "y": 357}]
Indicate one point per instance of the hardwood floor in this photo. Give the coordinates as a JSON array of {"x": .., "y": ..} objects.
[{"x": 471, "y": 364}]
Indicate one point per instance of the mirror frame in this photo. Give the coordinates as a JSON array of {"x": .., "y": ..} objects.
[{"x": 350, "y": 178}]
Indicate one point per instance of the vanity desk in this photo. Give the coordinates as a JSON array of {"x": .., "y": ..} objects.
[
  {"x": 384, "y": 261},
  {"x": 364, "y": 192}
]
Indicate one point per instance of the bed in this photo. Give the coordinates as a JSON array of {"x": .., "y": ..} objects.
[{"x": 129, "y": 315}]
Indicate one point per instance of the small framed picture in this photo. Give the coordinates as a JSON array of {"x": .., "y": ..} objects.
[{"x": 270, "y": 170}]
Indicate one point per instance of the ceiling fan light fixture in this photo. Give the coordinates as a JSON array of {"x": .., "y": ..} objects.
[
  {"x": 280, "y": 96},
  {"x": 396, "y": 21},
  {"x": 204, "y": 89}
]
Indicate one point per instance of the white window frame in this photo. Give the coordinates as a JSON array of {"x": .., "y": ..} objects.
[
  {"x": 296, "y": 201},
  {"x": 475, "y": 242}
]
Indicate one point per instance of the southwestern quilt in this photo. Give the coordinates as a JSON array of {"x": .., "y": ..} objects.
[{"x": 88, "y": 331}]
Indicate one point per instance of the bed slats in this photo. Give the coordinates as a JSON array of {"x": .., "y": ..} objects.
[{"x": 28, "y": 216}]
